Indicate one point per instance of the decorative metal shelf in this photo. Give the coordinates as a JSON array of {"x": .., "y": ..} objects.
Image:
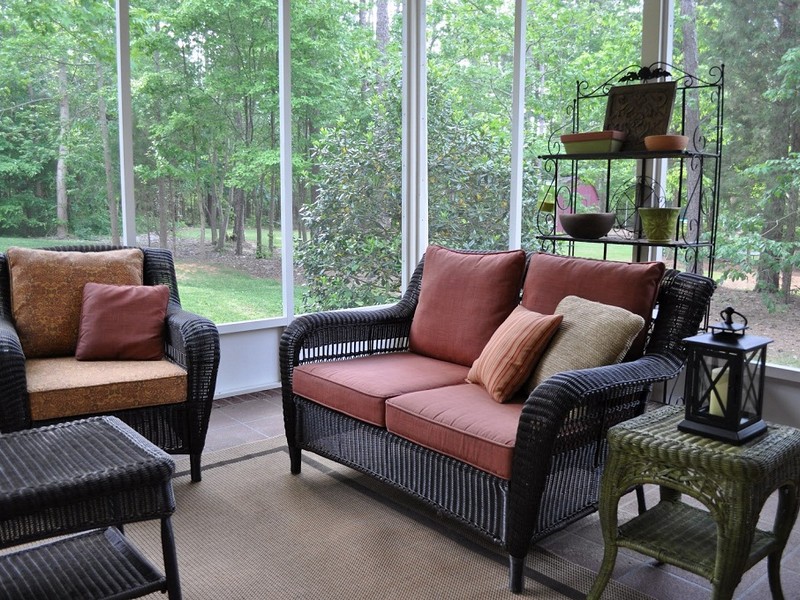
[
  {"x": 620, "y": 241},
  {"x": 631, "y": 155},
  {"x": 624, "y": 181}
]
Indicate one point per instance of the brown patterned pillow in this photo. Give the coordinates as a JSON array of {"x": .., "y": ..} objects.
[
  {"x": 513, "y": 350},
  {"x": 122, "y": 322},
  {"x": 47, "y": 291}
]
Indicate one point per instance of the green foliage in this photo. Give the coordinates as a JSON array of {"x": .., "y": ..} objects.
[
  {"x": 205, "y": 83},
  {"x": 352, "y": 255},
  {"x": 25, "y": 214}
]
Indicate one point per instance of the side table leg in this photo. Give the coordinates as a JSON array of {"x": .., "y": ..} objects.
[
  {"x": 603, "y": 577},
  {"x": 785, "y": 517},
  {"x": 170, "y": 560},
  {"x": 607, "y": 510}
]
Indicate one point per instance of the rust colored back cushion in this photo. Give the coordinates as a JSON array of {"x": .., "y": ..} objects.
[
  {"x": 463, "y": 299},
  {"x": 47, "y": 292},
  {"x": 632, "y": 286},
  {"x": 122, "y": 322}
]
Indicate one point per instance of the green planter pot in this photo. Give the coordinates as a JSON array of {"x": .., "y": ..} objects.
[{"x": 659, "y": 224}]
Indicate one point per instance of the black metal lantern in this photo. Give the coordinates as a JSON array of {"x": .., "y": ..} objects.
[{"x": 725, "y": 382}]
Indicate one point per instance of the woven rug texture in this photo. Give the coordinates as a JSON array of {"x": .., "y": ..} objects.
[{"x": 251, "y": 530}]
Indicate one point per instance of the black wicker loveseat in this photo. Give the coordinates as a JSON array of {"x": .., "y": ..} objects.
[
  {"x": 190, "y": 349},
  {"x": 559, "y": 446}
]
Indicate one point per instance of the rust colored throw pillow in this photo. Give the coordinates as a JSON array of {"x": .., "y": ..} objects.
[
  {"x": 512, "y": 352},
  {"x": 47, "y": 292},
  {"x": 464, "y": 298},
  {"x": 122, "y": 322},
  {"x": 591, "y": 335},
  {"x": 632, "y": 286}
]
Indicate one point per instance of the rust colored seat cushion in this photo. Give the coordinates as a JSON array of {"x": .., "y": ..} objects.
[
  {"x": 122, "y": 322},
  {"x": 461, "y": 421},
  {"x": 512, "y": 352},
  {"x": 47, "y": 293},
  {"x": 359, "y": 387},
  {"x": 464, "y": 297},
  {"x": 65, "y": 387},
  {"x": 632, "y": 286}
]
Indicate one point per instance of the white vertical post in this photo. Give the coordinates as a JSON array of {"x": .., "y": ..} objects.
[
  {"x": 125, "y": 123},
  {"x": 657, "y": 45},
  {"x": 517, "y": 126},
  {"x": 415, "y": 139},
  {"x": 285, "y": 135}
]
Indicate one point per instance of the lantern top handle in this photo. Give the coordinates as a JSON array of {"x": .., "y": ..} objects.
[{"x": 729, "y": 326}]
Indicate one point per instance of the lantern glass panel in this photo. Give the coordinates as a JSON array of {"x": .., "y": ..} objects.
[{"x": 752, "y": 384}]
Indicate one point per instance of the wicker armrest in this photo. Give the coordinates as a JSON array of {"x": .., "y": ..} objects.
[
  {"x": 13, "y": 386},
  {"x": 345, "y": 334},
  {"x": 569, "y": 414},
  {"x": 335, "y": 335},
  {"x": 192, "y": 342}
]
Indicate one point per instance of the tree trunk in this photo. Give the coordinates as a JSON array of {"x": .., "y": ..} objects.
[
  {"x": 62, "y": 204},
  {"x": 792, "y": 208},
  {"x": 163, "y": 213},
  {"x": 259, "y": 202},
  {"x": 273, "y": 191},
  {"x": 238, "y": 219},
  {"x": 102, "y": 116}
]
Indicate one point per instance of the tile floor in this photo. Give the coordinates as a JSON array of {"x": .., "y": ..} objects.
[{"x": 251, "y": 417}]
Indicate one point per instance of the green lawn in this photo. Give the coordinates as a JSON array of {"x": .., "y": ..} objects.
[{"x": 225, "y": 295}]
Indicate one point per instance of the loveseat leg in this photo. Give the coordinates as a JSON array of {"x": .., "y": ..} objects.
[
  {"x": 516, "y": 574},
  {"x": 194, "y": 466},
  {"x": 294, "y": 458}
]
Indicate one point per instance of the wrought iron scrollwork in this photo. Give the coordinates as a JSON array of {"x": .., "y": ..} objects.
[{"x": 646, "y": 74}]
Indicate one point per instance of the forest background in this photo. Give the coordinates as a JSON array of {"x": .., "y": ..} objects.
[{"x": 205, "y": 95}]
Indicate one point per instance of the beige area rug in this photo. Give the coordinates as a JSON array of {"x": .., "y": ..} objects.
[{"x": 251, "y": 530}]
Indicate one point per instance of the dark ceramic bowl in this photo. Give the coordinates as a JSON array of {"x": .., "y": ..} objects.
[{"x": 587, "y": 226}]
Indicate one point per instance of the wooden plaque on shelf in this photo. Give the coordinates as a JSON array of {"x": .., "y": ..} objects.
[{"x": 640, "y": 110}]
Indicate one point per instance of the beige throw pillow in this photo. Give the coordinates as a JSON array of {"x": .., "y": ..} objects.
[
  {"x": 512, "y": 351},
  {"x": 591, "y": 335}
]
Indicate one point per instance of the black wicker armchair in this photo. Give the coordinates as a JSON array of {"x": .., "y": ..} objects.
[
  {"x": 191, "y": 342},
  {"x": 560, "y": 444}
]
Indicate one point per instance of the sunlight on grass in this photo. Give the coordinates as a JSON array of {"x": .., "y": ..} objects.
[{"x": 226, "y": 295}]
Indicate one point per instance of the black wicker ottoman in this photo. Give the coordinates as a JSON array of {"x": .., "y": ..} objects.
[{"x": 88, "y": 477}]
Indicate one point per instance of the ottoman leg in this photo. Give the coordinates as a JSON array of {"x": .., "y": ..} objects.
[
  {"x": 170, "y": 560},
  {"x": 294, "y": 460}
]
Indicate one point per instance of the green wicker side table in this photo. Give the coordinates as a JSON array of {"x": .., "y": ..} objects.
[{"x": 733, "y": 482}]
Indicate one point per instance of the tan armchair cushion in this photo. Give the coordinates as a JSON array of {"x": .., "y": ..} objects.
[
  {"x": 65, "y": 387},
  {"x": 47, "y": 290}
]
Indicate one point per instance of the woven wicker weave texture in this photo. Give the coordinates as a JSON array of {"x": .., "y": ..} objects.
[
  {"x": 732, "y": 482},
  {"x": 192, "y": 342},
  {"x": 560, "y": 446}
]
